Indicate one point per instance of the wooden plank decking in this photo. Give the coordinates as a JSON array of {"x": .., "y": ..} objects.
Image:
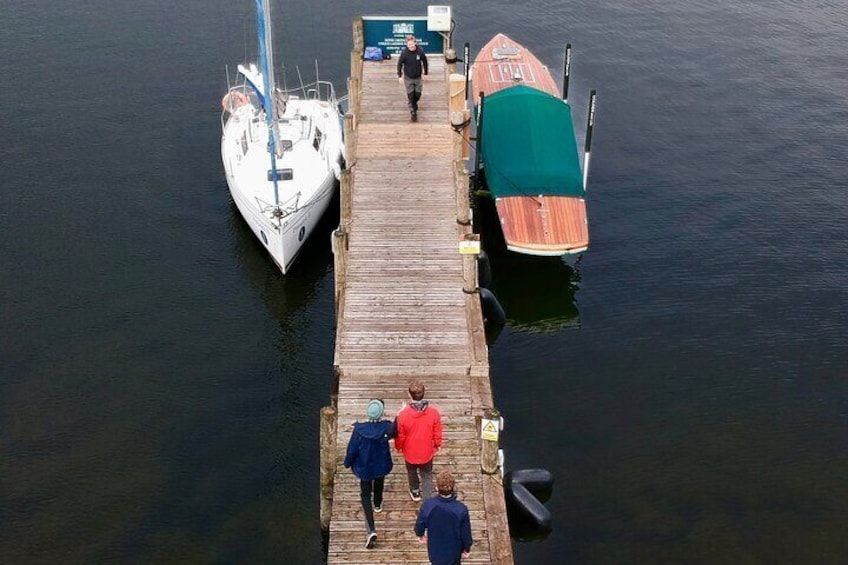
[{"x": 403, "y": 315}]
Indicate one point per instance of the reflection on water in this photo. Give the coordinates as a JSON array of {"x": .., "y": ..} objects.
[
  {"x": 537, "y": 293},
  {"x": 285, "y": 294}
]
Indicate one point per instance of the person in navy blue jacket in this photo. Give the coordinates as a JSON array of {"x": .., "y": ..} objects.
[
  {"x": 443, "y": 522},
  {"x": 369, "y": 454}
]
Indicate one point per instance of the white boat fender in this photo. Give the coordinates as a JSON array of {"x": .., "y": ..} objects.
[
  {"x": 493, "y": 312},
  {"x": 484, "y": 270},
  {"x": 233, "y": 100},
  {"x": 522, "y": 506}
]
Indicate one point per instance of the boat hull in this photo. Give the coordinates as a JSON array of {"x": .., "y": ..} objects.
[
  {"x": 308, "y": 172},
  {"x": 544, "y": 225},
  {"x": 501, "y": 60},
  {"x": 534, "y": 221},
  {"x": 284, "y": 240}
]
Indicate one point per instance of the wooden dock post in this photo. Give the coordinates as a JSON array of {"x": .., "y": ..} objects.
[
  {"x": 489, "y": 441},
  {"x": 339, "y": 246},
  {"x": 459, "y": 116},
  {"x": 346, "y": 185},
  {"x": 358, "y": 34},
  {"x": 328, "y": 464}
]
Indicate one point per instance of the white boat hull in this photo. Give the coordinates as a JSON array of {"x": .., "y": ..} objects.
[{"x": 309, "y": 167}]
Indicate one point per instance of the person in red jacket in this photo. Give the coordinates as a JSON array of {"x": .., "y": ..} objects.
[{"x": 419, "y": 437}]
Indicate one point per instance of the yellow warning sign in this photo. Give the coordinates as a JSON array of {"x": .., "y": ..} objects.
[
  {"x": 489, "y": 429},
  {"x": 470, "y": 244}
]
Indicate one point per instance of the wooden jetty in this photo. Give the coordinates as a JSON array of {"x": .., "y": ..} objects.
[{"x": 407, "y": 308}]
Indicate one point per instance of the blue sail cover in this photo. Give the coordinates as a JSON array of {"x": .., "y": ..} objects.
[{"x": 263, "y": 59}]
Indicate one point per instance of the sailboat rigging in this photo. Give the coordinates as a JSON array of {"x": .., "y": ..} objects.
[{"x": 282, "y": 153}]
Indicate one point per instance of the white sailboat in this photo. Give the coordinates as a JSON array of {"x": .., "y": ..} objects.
[{"x": 282, "y": 153}]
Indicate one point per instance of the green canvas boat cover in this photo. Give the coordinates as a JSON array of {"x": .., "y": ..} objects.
[{"x": 528, "y": 145}]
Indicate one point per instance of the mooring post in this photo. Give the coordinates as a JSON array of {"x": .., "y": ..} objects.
[
  {"x": 590, "y": 125},
  {"x": 490, "y": 426},
  {"x": 463, "y": 207},
  {"x": 480, "y": 104},
  {"x": 566, "y": 73},
  {"x": 466, "y": 54},
  {"x": 358, "y": 34},
  {"x": 346, "y": 188},
  {"x": 328, "y": 464},
  {"x": 469, "y": 263},
  {"x": 355, "y": 79},
  {"x": 450, "y": 60},
  {"x": 456, "y": 106},
  {"x": 339, "y": 246}
]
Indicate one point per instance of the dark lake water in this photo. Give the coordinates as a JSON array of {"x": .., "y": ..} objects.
[{"x": 161, "y": 382}]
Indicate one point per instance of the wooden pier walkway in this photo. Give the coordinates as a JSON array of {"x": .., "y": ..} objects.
[{"x": 402, "y": 313}]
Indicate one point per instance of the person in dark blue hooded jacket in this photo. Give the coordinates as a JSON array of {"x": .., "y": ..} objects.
[
  {"x": 369, "y": 454},
  {"x": 446, "y": 523}
]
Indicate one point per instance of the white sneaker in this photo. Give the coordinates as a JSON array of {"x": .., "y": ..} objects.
[{"x": 370, "y": 540}]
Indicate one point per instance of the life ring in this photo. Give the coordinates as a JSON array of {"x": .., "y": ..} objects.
[{"x": 233, "y": 100}]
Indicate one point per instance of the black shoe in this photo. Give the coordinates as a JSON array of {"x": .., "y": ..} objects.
[{"x": 414, "y": 116}]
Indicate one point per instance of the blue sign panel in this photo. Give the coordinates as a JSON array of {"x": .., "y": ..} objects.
[{"x": 388, "y": 33}]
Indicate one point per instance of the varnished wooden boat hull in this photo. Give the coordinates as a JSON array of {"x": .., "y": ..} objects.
[
  {"x": 544, "y": 225},
  {"x": 535, "y": 225},
  {"x": 495, "y": 70}
]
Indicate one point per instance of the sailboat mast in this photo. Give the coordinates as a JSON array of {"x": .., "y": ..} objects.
[{"x": 266, "y": 60}]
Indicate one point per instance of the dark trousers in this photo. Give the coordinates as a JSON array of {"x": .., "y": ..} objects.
[
  {"x": 425, "y": 485},
  {"x": 413, "y": 91},
  {"x": 365, "y": 490}
]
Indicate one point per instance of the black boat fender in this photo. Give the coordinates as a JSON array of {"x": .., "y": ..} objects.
[
  {"x": 540, "y": 482},
  {"x": 524, "y": 506},
  {"x": 493, "y": 312},
  {"x": 484, "y": 270}
]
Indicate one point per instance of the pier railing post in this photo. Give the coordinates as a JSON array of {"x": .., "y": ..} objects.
[{"x": 328, "y": 464}]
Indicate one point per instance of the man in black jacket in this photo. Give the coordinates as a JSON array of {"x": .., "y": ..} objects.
[{"x": 411, "y": 69}]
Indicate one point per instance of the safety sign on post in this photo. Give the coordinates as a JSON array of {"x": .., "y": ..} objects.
[
  {"x": 469, "y": 244},
  {"x": 489, "y": 429}
]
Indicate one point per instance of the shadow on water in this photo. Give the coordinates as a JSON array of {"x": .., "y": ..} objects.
[
  {"x": 524, "y": 532},
  {"x": 537, "y": 293},
  {"x": 285, "y": 294}
]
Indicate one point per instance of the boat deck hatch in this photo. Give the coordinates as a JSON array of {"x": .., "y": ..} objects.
[
  {"x": 282, "y": 174},
  {"x": 505, "y": 52}
]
